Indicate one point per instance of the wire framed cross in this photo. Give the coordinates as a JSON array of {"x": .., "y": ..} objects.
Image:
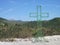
[{"x": 39, "y": 16}]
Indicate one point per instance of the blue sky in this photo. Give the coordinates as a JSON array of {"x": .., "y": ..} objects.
[{"x": 20, "y": 9}]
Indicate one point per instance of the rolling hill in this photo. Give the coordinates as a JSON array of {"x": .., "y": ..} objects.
[{"x": 24, "y": 29}]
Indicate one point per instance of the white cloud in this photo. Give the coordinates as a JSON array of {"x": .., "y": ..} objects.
[
  {"x": 0, "y": 8},
  {"x": 52, "y": 5},
  {"x": 12, "y": 1},
  {"x": 6, "y": 11},
  {"x": 9, "y": 10}
]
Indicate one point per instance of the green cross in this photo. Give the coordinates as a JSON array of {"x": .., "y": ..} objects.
[{"x": 39, "y": 16}]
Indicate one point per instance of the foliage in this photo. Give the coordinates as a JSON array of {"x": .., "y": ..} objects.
[{"x": 21, "y": 29}]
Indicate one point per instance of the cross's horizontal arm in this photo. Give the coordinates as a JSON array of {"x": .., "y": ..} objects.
[
  {"x": 30, "y": 15},
  {"x": 44, "y": 15}
]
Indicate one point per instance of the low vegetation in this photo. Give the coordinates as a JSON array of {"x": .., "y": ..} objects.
[{"x": 21, "y": 29}]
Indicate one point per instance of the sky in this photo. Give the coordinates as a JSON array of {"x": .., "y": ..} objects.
[{"x": 21, "y": 9}]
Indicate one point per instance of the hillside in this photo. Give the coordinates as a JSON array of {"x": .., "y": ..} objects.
[{"x": 21, "y": 29}]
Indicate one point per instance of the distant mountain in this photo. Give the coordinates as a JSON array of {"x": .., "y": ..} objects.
[{"x": 2, "y": 19}]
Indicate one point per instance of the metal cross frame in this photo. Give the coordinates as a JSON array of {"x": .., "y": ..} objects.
[{"x": 39, "y": 16}]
